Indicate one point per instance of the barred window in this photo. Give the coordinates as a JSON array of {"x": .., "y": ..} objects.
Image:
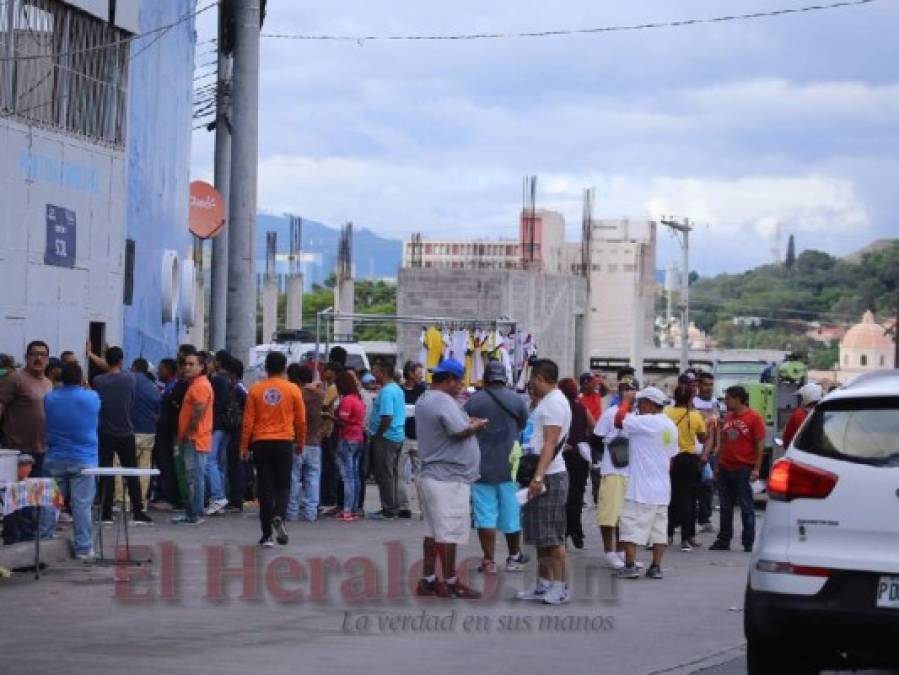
[{"x": 63, "y": 68}]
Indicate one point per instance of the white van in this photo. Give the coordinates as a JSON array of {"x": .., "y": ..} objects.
[{"x": 302, "y": 352}]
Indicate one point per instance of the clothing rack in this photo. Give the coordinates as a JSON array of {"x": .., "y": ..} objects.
[{"x": 324, "y": 321}]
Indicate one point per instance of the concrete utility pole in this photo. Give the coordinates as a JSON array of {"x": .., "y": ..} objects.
[
  {"x": 219, "y": 278},
  {"x": 294, "y": 319},
  {"x": 683, "y": 229},
  {"x": 241, "y": 318},
  {"x": 270, "y": 288}
]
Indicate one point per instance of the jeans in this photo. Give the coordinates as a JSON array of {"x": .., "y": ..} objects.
[
  {"x": 216, "y": 464},
  {"x": 236, "y": 485},
  {"x": 274, "y": 461},
  {"x": 734, "y": 488},
  {"x": 124, "y": 447},
  {"x": 410, "y": 452},
  {"x": 79, "y": 491},
  {"x": 195, "y": 473},
  {"x": 348, "y": 454},
  {"x": 385, "y": 457},
  {"x": 304, "y": 484},
  {"x": 685, "y": 472},
  {"x": 164, "y": 459}
]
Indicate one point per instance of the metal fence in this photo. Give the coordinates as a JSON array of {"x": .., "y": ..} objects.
[{"x": 63, "y": 68}]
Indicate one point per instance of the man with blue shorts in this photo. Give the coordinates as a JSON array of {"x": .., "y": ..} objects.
[{"x": 493, "y": 496}]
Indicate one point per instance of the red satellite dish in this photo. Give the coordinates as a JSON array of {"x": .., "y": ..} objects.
[{"x": 207, "y": 210}]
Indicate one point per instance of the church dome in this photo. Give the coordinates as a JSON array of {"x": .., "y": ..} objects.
[{"x": 867, "y": 335}]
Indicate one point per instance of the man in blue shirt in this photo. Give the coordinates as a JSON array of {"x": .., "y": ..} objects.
[
  {"x": 73, "y": 414},
  {"x": 386, "y": 429},
  {"x": 144, "y": 415}
]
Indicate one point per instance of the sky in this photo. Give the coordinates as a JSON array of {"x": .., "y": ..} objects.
[{"x": 739, "y": 126}]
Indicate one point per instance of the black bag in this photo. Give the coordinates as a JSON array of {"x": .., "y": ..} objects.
[
  {"x": 232, "y": 415},
  {"x": 527, "y": 465},
  {"x": 619, "y": 451}
]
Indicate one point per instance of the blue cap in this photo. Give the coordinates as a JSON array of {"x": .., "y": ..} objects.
[
  {"x": 368, "y": 378},
  {"x": 450, "y": 366}
]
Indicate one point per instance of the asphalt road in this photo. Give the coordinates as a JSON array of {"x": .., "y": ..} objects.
[{"x": 348, "y": 615}]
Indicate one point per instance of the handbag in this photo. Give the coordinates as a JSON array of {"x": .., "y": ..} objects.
[
  {"x": 527, "y": 465},
  {"x": 619, "y": 451}
]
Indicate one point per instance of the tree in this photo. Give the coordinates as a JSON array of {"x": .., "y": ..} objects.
[{"x": 791, "y": 253}]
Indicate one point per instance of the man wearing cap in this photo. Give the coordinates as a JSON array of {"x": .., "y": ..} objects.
[
  {"x": 450, "y": 463},
  {"x": 809, "y": 396},
  {"x": 387, "y": 430},
  {"x": 22, "y": 404},
  {"x": 493, "y": 495},
  {"x": 652, "y": 441},
  {"x": 613, "y": 484}
]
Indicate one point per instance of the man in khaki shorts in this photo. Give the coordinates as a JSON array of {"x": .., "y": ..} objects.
[
  {"x": 652, "y": 438},
  {"x": 613, "y": 484},
  {"x": 450, "y": 463}
]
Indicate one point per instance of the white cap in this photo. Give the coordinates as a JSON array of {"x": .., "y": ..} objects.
[
  {"x": 810, "y": 393},
  {"x": 653, "y": 394}
]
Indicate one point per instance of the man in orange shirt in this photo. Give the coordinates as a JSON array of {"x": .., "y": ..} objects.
[
  {"x": 274, "y": 428},
  {"x": 195, "y": 436}
]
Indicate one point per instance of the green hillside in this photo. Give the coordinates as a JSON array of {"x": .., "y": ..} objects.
[{"x": 793, "y": 297}]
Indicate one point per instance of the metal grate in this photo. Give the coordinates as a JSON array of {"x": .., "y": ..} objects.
[{"x": 64, "y": 69}]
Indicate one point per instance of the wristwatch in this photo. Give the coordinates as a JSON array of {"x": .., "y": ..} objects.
[{"x": 538, "y": 479}]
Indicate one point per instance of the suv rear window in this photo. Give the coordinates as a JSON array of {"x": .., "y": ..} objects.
[{"x": 862, "y": 430}]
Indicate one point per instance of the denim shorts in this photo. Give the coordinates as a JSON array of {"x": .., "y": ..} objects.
[{"x": 495, "y": 506}]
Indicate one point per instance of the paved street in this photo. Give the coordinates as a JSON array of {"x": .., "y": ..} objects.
[{"x": 688, "y": 621}]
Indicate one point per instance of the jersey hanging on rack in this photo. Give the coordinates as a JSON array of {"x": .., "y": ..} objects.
[
  {"x": 459, "y": 344},
  {"x": 434, "y": 345},
  {"x": 469, "y": 359}
]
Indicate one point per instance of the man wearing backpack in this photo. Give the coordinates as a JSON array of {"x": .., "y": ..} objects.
[{"x": 493, "y": 498}]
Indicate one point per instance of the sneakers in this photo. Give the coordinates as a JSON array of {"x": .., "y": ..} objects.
[
  {"x": 181, "y": 518},
  {"x": 557, "y": 594},
  {"x": 456, "y": 590},
  {"x": 654, "y": 572},
  {"x": 628, "y": 573},
  {"x": 141, "y": 518},
  {"x": 216, "y": 506},
  {"x": 267, "y": 542},
  {"x": 707, "y": 527},
  {"x": 487, "y": 567},
  {"x": 327, "y": 511},
  {"x": 614, "y": 561},
  {"x": 538, "y": 592},
  {"x": 685, "y": 547},
  {"x": 280, "y": 530},
  {"x": 86, "y": 556},
  {"x": 426, "y": 589},
  {"x": 405, "y": 514},
  {"x": 516, "y": 563},
  {"x": 380, "y": 515},
  {"x": 719, "y": 546},
  {"x": 64, "y": 517},
  {"x": 347, "y": 517},
  {"x": 621, "y": 557}
]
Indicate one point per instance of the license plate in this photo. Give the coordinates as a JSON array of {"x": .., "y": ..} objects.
[{"x": 888, "y": 592}]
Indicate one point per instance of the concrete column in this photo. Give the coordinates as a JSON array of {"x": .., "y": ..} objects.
[
  {"x": 269, "y": 309},
  {"x": 344, "y": 302},
  {"x": 295, "y": 301}
]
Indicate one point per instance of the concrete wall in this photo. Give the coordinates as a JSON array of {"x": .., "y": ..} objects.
[
  {"x": 159, "y": 137},
  {"x": 545, "y": 305},
  {"x": 39, "y": 167}
]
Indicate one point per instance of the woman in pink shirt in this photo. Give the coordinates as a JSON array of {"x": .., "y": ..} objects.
[{"x": 351, "y": 435}]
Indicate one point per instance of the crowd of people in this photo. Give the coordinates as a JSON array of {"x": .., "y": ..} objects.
[{"x": 303, "y": 441}]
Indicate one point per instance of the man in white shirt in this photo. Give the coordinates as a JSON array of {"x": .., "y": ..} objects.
[
  {"x": 613, "y": 484},
  {"x": 543, "y": 516},
  {"x": 652, "y": 443}
]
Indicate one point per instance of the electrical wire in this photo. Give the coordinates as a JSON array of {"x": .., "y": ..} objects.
[{"x": 569, "y": 31}]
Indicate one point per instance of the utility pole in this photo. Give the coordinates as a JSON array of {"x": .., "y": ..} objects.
[
  {"x": 241, "y": 313},
  {"x": 219, "y": 278},
  {"x": 682, "y": 232}
]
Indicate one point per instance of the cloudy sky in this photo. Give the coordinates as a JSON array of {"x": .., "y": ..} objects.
[{"x": 739, "y": 126}]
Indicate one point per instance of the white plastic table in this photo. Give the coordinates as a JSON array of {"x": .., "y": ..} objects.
[{"x": 123, "y": 473}]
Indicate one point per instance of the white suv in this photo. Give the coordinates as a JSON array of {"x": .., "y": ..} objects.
[{"x": 823, "y": 584}]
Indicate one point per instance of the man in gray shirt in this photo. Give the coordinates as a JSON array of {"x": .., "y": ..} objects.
[
  {"x": 493, "y": 497},
  {"x": 116, "y": 390},
  {"x": 450, "y": 462}
]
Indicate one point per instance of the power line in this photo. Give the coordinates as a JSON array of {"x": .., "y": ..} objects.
[{"x": 569, "y": 31}]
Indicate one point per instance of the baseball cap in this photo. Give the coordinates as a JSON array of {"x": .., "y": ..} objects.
[
  {"x": 586, "y": 378},
  {"x": 629, "y": 382},
  {"x": 494, "y": 372},
  {"x": 368, "y": 378},
  {"x": 653, "y": 394},
  {"x": 450, "y": 366}
]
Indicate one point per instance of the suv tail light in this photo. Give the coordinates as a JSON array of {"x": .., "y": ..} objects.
[{"x": 791, "y": 480}]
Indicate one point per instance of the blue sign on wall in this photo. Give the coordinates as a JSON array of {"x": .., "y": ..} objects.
[{"x": 60, "y": 249}]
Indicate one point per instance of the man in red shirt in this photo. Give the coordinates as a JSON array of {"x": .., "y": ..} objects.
[
  {"x": 741, "y": 449},
  {"x": 590, "y": 397}
]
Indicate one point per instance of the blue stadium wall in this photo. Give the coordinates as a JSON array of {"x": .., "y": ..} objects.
[{"x": 158, "y": 154}]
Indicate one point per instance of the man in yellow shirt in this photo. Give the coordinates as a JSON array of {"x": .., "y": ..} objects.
[{"x": 686, "y": 467}]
